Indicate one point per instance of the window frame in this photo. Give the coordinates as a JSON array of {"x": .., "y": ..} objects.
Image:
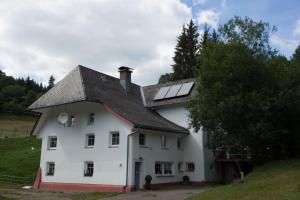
[
  {"x": 112, "y": 139},
  {"x": 164, "y": 142},
  {"x": 162, "y": 165},
  {"x": 86, "y": 167},
  {"x": 87, "y": 140},
  {"x": 48, "y": 167},
  {"x": 72, "y": 120},
  {"x": 50, "y": 142},
  {"x": 187, "y": 166},
  {"x": 144, "y": 139},
  {"x": 91, "y": 116}
]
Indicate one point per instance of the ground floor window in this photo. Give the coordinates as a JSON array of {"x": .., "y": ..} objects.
[
  {"x": 190, "y": 166},
  {"x": 50, "y": 167},
  {"x": 163, "y": 168},
  {"x": 88, "y": 168}
]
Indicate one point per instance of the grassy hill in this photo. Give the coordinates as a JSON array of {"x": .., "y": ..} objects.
[
  {"x": 278, "y": 180},
  {"x": 16, "y": 125},
  {"x": 19, "y": 157}
]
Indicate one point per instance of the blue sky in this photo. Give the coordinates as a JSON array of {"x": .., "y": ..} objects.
[
  {"x": 282, "y": 14},
  {"x": 41, "y": 38}
]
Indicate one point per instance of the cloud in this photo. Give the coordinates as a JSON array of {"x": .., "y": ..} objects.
[
  {"x": 297, "y": 28},
  {"x": 40, "y": 38},
  {"x": 199, "y": 2},
  {"x": 208, "y": 17},
  {"x": 284, "y": 45}
]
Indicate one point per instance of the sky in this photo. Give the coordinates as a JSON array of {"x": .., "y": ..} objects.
[{"x": 39, "y": 38}]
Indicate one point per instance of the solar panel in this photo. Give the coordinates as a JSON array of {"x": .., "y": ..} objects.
[
  {"x": 173, "y": 91},
  {"x": 185, "y": 89},
  {"x": 161, "y": 93}
]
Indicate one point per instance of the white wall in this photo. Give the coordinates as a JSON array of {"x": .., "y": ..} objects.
[
  {"x": 153, "y": 152},
  {"x": 69, "y": 157},
  {"x": 194, "y": 149}
]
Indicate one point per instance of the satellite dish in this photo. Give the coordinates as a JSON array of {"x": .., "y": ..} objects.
[{"x": 63, "y": 118}]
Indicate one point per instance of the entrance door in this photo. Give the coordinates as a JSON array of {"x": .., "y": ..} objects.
[{"x": 137, "y": 175}]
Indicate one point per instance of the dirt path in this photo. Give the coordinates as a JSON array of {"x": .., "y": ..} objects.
[
  {"x": 178, "y": 193},
  {"x": 165, "y": 194}
]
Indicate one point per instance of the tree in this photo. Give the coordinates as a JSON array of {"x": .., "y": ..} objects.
[
  {"x": 255, "y": 35},
  {"x": 248, "y": 97},
  {"x": 51, "y": 82},
  {"x": 296, "y": 55},
  {"x": 186, "y": 53}
]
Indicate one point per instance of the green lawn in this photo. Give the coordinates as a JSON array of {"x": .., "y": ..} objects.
[
  {"x": 16, "y": 126},
  {"x": 278, "y": 180},
  {"x": 19, "y": 157}
]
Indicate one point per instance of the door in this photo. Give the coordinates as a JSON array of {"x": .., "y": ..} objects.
[{"x": 137, "y": 169}]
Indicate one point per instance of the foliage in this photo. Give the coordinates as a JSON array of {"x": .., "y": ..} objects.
[
  {"x": 186, "y": 55},
  {"x": 278, "y": 180},
  {"x": 51, "y": 82},
  {"x": 248, "y": 97},
  {"x": 148, "y": 179},
  {"x": 17, "y": 94}
]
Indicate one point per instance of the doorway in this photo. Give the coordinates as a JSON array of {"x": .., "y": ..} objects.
[{"x": 137, "y": 177}]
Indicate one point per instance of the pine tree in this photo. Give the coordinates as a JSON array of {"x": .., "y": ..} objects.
[
  {"x": 296, "y": 55},
  {"x": 51, "y": 82},
  {"x": 186, "y": 52}
]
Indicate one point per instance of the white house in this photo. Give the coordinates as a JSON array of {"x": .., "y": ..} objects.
[{"x": 116, "y": 133}]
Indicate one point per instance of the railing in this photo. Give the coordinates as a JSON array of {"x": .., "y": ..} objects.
[
  {"x": 14, "y": 132},
  {"x": 16, "y": 180}
]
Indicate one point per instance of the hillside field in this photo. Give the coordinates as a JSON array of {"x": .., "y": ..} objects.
[{"x": 277, "y": 180}]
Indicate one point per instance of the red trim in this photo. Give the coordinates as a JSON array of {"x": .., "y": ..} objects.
[
  {"x": 36, "y": 123},
  {"x": 117, "y": 115},
  {"x": 38, "y": 179},
  {"x": 84, "y": 187}
]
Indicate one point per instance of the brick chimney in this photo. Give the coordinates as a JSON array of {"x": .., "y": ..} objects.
[{"x": 125, "y": 77}]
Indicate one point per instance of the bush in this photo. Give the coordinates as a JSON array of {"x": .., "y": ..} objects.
[{"x": 186, "y": 179}]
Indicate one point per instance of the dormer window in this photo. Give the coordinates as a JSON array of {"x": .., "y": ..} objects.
[{"x": 91, "y": 119}]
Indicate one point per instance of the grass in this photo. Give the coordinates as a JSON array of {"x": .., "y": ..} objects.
[
  {"x": 5, "y": 198},
  {"x": 278, "y": 180},
  {"x": 19, "y": 157},
  {"x": 16, "y": 125}
]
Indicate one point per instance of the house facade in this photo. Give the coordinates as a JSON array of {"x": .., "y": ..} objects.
[{"x": 101, "y": 133}]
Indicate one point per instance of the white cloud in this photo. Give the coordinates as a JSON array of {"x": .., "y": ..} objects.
[
  {"x": 297, "y": 28},
  {"x": 284, "y": 45},
  {"x": 199, "y": 2},
  {"x": 40, "y": 38},
  {"x": 208, "y": 17}
]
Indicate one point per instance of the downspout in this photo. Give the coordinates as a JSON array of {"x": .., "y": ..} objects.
[{"x": 127, "y": 158}]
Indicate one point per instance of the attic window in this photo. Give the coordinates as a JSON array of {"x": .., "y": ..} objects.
[
  {"x": 91, "y": 118},
  {"x": 72, "y": 120}
]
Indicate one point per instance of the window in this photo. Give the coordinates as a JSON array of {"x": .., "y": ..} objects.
[
  {"x": 72, "y": 120},
  {"x": 190, "y": 167},
  {"x": 115, "y": 138},
  {"x": 88, "y": 169},
  {"x": 158, "y": 168},
  {"x": 142, "y": 139},
  {"x": 90, "y": 140},
  {"x": 168, "y": 168},
  {"x": 91, "y": 118},
  {"x": 163, "y": 168},
  {"x": 52, "y": 142},
  {"x": 179, "y": 145},
  {"x": 164, "y": 141},
  {"x": 50, "y": 167}
]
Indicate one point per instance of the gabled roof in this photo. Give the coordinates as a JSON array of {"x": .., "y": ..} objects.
[
  {"x": 151, "y": 90},
  {"x": 84, "y": 84}
]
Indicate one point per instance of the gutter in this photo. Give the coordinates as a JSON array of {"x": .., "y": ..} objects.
[{"x": 127, "y": 158}]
